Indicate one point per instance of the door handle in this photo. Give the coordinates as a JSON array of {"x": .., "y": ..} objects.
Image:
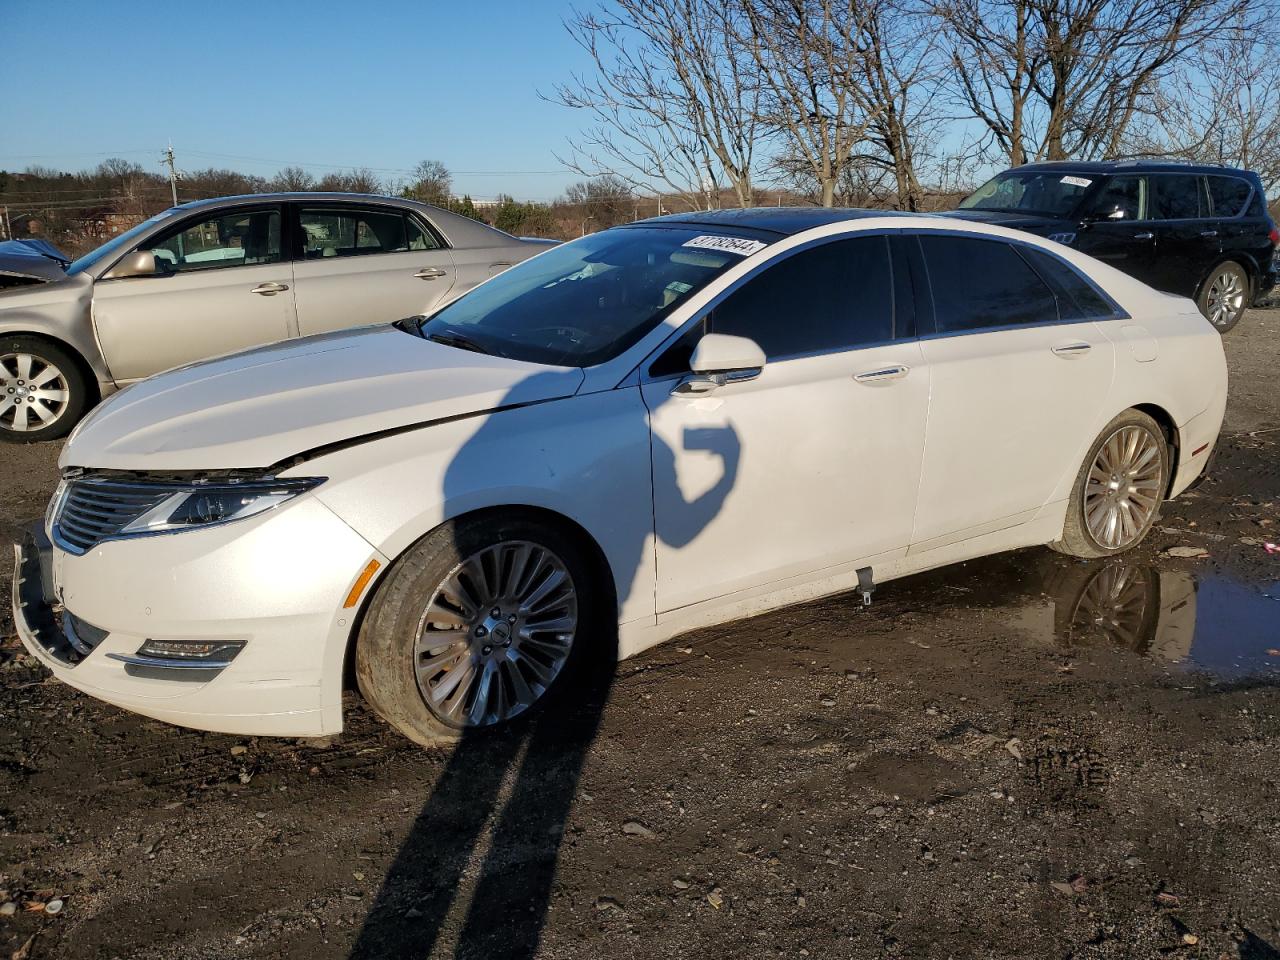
[
  {"x": 1069, "y": 350},
  {"x": 1143, "y": 236},
  {"x": 431, "y": 273},
  {"x": 1208, "y": 233},
  {"x": 884, "y": 373},
  {"x": 270, "y": 289}
]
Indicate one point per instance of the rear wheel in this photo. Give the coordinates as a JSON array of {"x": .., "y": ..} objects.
[
  {"x": 1117, "y": 494},
  {"x": 474, "y": 627},
  {"x": 1225, "y": 295},
  {"x": 43, "y": 391}
]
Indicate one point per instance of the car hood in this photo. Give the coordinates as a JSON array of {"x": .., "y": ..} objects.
[
  {"x": 32, "y": 260},
  {"x": 255, "y": 409},
  {"x": 1014, "y": 221}
]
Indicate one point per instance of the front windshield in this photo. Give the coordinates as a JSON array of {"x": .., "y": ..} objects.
[
  {"x": 114, "y": 245},
  {"x": 587, "y": 301},
  {"x": 1054, "y": 194}
]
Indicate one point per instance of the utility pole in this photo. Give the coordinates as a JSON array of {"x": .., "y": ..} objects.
[{"x": 167, "y": 159}]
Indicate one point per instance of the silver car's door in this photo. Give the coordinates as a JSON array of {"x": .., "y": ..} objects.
[
  {"x": 363, "y": 264},
  {"x": 221, "y": 284}
]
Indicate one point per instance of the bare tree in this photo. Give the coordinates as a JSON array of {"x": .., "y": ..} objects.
[
  {"x": 672, "y": 103},
  {"x": 293, "y": 180},
  {"x": 362, "y": 180},
  {"x": 1223, "y": 105},
  {"x": 1052, "y": 79},
  {"x": 432, "y": 183},
  {"x": 606, "y": 201}
]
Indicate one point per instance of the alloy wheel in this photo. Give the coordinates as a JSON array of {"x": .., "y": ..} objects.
[
  {"x": 1122, "y": 490},
  {"x": 1225, "y": 300},
  {"x": 34, "y": 392},
  {"x": 495, "y": 635}
]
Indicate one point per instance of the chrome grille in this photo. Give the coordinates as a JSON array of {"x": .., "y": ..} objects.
[{"x": 93, "y": 510}]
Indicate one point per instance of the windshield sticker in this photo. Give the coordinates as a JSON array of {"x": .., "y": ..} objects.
[
  {"x": 1077, "y": 181},
  {"x": 743, "y": 248}
]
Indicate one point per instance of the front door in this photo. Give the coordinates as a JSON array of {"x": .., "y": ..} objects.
[
  {"x": 359, "y": 265},
  {"x": 1017, "y": 388},
  {"x": 1118, "y": 227},
  {"x": 810, "y": 465},
  {"x": 221, "y": 284}
]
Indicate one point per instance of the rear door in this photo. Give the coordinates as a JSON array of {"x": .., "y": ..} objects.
[
  {"x": 222, "y": 283},
  {"x": 1017, "y": 386},
  {"x": 365, "y": 263},
  {"x": 1117, "y": 227},
  {"x": 1239, "y": 218},
  {"x": 1188, "y": 242}
]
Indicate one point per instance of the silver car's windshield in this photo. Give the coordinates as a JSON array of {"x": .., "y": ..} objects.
[
  {"x": 587, "y": 301},
  {"x": 115, "y": 244}
]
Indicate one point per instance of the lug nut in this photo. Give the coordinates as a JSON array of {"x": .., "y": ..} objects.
[
  {"x": 507, "y": 644},
  {"x": 496, "y": 612},
  {"x": 487, "y": 650},
  {"x": 511, "y": 619},
  {"x": 481, "y": 631}
]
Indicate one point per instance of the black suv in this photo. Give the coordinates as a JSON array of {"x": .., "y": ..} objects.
[{"x": 1199, "y": 231}]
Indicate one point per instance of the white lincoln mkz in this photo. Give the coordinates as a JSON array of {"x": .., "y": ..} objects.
[{"x": 664, "y": 425}]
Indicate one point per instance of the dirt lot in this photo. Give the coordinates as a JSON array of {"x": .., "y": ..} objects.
[{"x": 993, "y": 761}]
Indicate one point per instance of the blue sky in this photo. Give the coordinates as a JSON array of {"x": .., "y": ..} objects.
[{"x": 324, "y": 85}]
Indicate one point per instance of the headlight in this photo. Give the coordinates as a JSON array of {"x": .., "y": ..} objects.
[
  {"x": 54, "y": 503},
  {"x": 203, "y": 504}
]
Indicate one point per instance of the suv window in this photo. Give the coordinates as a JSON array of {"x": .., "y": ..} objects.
[
  {"x": 1078, "y": 299},
  {"x": 238, "y": 239},
  {"x": 1178, "y": 196},
  {"x": 828, "y": 298},
  {"x": 1121, "y": 198},
  {"x": 353, "y": 233},
  {"x": 979, "y": 283},
  {"x": 1228, "y": 195}
]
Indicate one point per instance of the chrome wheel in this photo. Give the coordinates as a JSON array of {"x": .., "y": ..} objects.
[
  {"x": 1224, "y": 301},
  {"x": 34, "y": 393},
  {"x": 495, "y": 634},
  {"x": 1123, "y": 487},
  {"x": 1116, "y": 605}
]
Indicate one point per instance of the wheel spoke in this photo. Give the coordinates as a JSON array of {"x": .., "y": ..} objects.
[
  {"x": 20, "y": 416},
  {"x": 43, "y": 412},
  {"x": 24, "y": 366},
  {"x": 50, "y": 372}
]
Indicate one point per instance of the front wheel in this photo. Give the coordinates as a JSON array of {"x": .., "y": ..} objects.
[
  {"x": 1225, "y": 295},
  {"x": 475, "y": 626},
  {"x": 42, "y": 389},
  {"x": 1117, "y": 494}
]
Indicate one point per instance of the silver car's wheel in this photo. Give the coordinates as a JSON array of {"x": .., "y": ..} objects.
[
  {"x": 495, "y": 634},
  {"x": 34, "y": 393},
  {"x": 1225, "y": 296},
  {"x": 1123, "y": 489}
]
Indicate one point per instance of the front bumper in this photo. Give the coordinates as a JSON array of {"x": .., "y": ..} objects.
[{"x": 276, "y": 582}]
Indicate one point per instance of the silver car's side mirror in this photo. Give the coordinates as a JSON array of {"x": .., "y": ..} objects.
[
  {"x": 719, "y": 359},
  {"x": 140, "y": 263}
]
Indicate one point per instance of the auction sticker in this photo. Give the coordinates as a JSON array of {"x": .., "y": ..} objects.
[
  {"x": 743, "y": 248},
  {"x": 1077, "y": 181}
]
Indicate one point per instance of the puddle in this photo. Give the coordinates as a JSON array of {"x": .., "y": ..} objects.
[{"x": 1200, "y": 621}]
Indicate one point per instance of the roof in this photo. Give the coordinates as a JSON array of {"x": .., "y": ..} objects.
[
  {"x": 299, "y": 195},
  {"x": 1129, "y": 166},
  {"x": 783, "y": 221}
]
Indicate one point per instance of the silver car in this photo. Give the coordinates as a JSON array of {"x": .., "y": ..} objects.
[{"x": 216, "y": 276}]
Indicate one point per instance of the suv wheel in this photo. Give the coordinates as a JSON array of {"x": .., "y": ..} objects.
[
  {"x": 1225, "y": 295},
  {"x": 43, "y": 391}
]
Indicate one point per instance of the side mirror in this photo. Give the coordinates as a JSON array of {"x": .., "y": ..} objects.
[
  {"x": 719, "y": 359},
  {"x": 140, "y": 263}
]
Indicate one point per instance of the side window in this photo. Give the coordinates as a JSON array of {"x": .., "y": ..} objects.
[
  {"x": 351, "y": 233},
  {"x": 1121, "y": 198},
  {"x": 1178, "y": 196},
  {"x": 243, "y": 238},
  {"x": 1228, "y": 195},
  {"x": 833, "y": 297},
  {"x": 983, "y": 283},
  {"x": 419, "y": 237},
  {"x": 1078, "y": 299}
]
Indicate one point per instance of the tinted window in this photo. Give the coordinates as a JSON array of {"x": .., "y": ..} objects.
[
  {"x": 1228, "y": 195},
  {"x": 238, "y": 239},
  {"x": 350, "y": 233},
  {"x": 983, "y": 283},
  {"x": 419, "y": 237},
  {"x": 1121, "y": 198},
  {"x": 1056, "y": 194},
  {"x": 1177, "y": 197},
  {"x": 1078, "y": 299}
]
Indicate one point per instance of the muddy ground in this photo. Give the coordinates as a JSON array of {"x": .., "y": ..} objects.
[{"x": 974, "y": 767}]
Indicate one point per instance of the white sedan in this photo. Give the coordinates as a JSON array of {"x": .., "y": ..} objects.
[{"x": 662, "y": 426}]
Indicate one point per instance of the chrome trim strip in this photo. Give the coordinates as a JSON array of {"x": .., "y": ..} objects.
[{"x": 134, "y": 660}]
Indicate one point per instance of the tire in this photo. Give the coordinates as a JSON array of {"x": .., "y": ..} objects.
[
  {"x": 1103, "y": 500},
  {"x": 55, "y": 406},
  {"x": 427, "y": 694},
  {"x": 1225, "y": 295}
]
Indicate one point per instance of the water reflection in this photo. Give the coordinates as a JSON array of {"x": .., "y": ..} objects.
[{"x": 1200, "y": 620}]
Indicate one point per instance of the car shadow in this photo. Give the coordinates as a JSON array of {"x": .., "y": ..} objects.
[{"x": 499, "y": 809}]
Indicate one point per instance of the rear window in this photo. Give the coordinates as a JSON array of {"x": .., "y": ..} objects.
[
  {"x": 1078, "y": 299},
  {"x": 1228, "y": 195},
  {"x": 977, "y": 284}
]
